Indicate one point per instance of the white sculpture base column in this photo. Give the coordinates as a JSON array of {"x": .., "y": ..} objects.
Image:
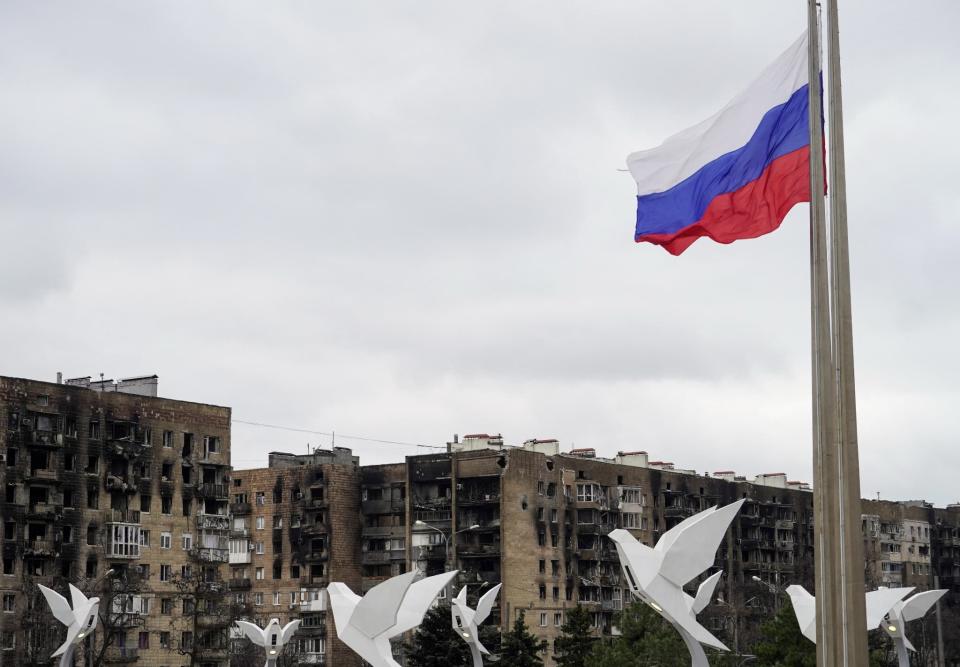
[
  {"x": 66, "y": 660},
  {"x": 698, "y": 657}
]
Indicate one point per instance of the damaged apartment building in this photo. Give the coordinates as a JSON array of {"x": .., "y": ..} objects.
[
  {"x": 111, "y": 488},
  {"x": 536, "y": 520},
  {"x": 104, "y": 482}
]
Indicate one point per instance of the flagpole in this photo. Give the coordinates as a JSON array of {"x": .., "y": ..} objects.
[
  {"x": 851, "y": 563},
  {"x": 825, "y": 505}
]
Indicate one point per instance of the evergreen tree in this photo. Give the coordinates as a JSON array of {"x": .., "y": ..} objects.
[
  {"x": 519, "y": 648},
  {"x": 783, "y": 645},
  {"x": 575, "y": 643},
  {"x": 437, "y": 644},
  {"x": 645, "y": 640}
]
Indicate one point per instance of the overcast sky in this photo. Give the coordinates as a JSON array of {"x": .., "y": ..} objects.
[{"x": 405, "y": 220}]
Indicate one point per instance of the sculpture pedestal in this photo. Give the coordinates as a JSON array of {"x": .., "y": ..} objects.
[
  {"x": 903, "y": 658},
  {"x": 66, "y": 660},
  {"x": 698, "y": 657},
  {"x": 477, "y": 657}
]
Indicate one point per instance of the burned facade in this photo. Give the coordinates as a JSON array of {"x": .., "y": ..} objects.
[
  {"x": 105, "y": 483},
  {"x": 296, "y": 528}
]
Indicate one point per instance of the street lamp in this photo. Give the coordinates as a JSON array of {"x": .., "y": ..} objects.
[
  {"x": 446, "y": 543},
  {"x": 773, "y": 588}
]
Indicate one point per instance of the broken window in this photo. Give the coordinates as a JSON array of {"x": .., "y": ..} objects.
[
  {"x": 94, "y": 431},
  {"x": 166, "y": 471}
]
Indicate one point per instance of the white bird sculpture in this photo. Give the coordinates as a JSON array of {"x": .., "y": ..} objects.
[
  {"x": 388, "y": 609},
  {"x": 886, "y": 608},
  {"x": 467, "y": 620},
  {"x": 272, "y": 638},
  {"x": 879, "y": 603},
  {"x": 657, "y": 575},
  {"x": 80, "y": 621},
  {"x": 903, "y": 611}
]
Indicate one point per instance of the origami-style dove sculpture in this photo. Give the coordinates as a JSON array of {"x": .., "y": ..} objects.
[
  {"x": 467, "y": 620},
  {"x": 879, "y": 603},
  {"x": 903, "y": 611},
  {"x": 388, "y": 609},
  {"x": 683, "y": 553},
  {"x": 80, "y": 620},
  {"x": 272, "y": 638}
]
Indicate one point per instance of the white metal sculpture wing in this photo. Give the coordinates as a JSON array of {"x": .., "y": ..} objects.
[
  {"x": 918, "y": 605},
  {"x": 252, "y": 631},
  {"x": 58, "y": 605},
  {"x": 880, "y": 601},
  {"x": 466, "y": 621},
  {"x": 684, "y": 552},
  {"x": 485, "y": 604},
  {"x": 805, "y": 609},
  {"x": 692, "y": 550},
  {"x": 388, "y": 609},
  {"x": 80, "y": 621},
  {"x": 418, "y": 600},
  {"x": 287, "y": 632},
  {"x": 377, "y": 611}
]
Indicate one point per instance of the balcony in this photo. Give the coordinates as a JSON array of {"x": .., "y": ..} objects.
[
  {"x": 315, "y": 605},
  {"x": 476, "y": 498},
  {"x": 311, "y": 659},
  {"x": 124, "y": 483},
  {"x": 215, "y": 491},
  {"x": 211, "y": 555},
  {"x": 240, "y": 557},
  {"x": 383, "y": 531},
  {"x": 478, "y": 550},
  {"x": 240, "y": 509},
  {"x": 430, "y": 552},
  {"x": 41, "y": 548},
  {"x": 121, "y": 516},
  {"x": 44, "y": 475},
  {"x": 375, "y": 557},
  {"x": 213, "y": 522},
  {"x": 121, "y": 654},
  {"x": 382, "y": 506},
  {"x": 45, "y": 438},
  {"x": 314, "y": 528},
  {"x": 240, "y": 584},
  {"x": 44, "y": 510}
]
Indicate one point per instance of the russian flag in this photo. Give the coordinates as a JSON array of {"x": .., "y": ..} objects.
[{"x": 735, "y": 175}]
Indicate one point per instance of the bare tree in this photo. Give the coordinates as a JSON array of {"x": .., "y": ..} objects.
[
  {"x": 208, "y": 613},
  {"x": 120, "y": 612},
  {"x": 38, "y": 636}
]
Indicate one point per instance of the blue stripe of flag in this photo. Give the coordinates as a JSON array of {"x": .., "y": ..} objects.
[{"x": 783, "y": 129}]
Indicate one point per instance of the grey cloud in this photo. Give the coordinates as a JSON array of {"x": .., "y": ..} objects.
[{"x": 405, "y": 221}]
